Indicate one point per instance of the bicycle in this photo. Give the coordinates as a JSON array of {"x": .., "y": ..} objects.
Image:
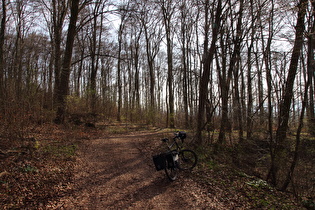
[{"x": 176, "y": 157}]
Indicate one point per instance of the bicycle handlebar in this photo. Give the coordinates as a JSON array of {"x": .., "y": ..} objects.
[{"x": 178, "y": 135}]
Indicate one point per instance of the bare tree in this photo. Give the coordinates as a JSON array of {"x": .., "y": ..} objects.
[
  {"x": 208, "y": 59},
  {"x": 249, "y": 121},
  {"x": 185, "y": 36},
  {"x": 136, "y": 58},
  {"x": 266, "y": 47},
  {"x": 123, "y": 12},
  {"x": 235, "y": 64},
  {"x": 285, "y": 104},
  {"x": 2, "y": 33},
  {"x": 226, "y": 77},
  {"x": 168, "y": 9},
  {"x": 152, "y": 29},
  {"x": 95, "y": 49},
  {"x": 63, "y": 88},
  {"x": 19, "y": 17},
  {"x": 58, "y": 11},
  {"x": 311, "y": 70}
]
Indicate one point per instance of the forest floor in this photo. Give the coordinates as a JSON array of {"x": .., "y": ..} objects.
[{"x": 111, "y": 167}]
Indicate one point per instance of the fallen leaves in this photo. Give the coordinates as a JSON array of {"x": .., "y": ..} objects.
[{"x": 32, "y": 173}]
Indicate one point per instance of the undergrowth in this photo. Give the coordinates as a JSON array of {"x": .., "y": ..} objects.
[{"x": 234, "y": 176}]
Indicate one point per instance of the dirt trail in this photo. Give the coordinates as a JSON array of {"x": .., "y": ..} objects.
[{"x": 115, "y": 173}]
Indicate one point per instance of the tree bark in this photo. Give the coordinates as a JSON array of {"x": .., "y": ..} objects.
[
  {"x": 249, "y": 121},
  {"x": 63, "y": 88},
  {"x": 311, "y": 70},
  {"x": 2, "y": 32},
  {"x": 95, "y": 51},
  {"x": 119, "y": 85},
  {"x": 150, "y": 59},
  {"x": 284, "y": 112},
  {"x": 208, "y": 58},
  {"x": 184, "y": 48},
  {"x": 167, "y": 12},
  {"x": 236, "y": 67},
  {"x": 225, "y": 83},
  {"x": 58, "y": 16},
  {"x": 136, "y": 92}
]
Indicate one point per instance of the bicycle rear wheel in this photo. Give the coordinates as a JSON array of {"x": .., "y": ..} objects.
[
  {"x": 187, "y": 159},
  {"x": 170, "y": 169}
]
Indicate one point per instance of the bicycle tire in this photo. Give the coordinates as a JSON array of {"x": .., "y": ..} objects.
[
  {"x": 170, "y": 170},
  {"x": 187, "y": 159}
]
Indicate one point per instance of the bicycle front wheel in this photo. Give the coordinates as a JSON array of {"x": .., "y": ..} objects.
[{"x": 187, "y": 159}]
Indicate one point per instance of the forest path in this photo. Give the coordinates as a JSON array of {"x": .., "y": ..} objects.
[{"x": 117, "y": 172}]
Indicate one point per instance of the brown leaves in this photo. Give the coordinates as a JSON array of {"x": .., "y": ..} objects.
[{"x": 32, "y": 175}]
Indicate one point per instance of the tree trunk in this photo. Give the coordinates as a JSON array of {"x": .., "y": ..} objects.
[
  {"x": 267, "y": 61},
  {"x": 58, "y": 15},
  {"x": 284, "y": 112},
  {"x": 170, "y": 82},
  {"x": 249, "y": 121},
  {"x": 2, "y": 32},
  {"x": 208, "y": 58},
  {"x": 225, "y": 82},
  {"x": 136, "y": 93},
  {"x": 290, "y": 172},
  {"x": 63, "y": 88},
  {"x": 17, "y": 62},
  {"x": 184, "y": 44},
  {"x": 95, "y": 51},
  {"x": 167, "y": 11},
  {"x": 236, "y": 65},
  {"x": 119, "y": 86},
  {"x": 311, "y": 70}
]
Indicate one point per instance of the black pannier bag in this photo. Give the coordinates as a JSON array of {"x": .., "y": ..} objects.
[{"x": 159, "y": 161}]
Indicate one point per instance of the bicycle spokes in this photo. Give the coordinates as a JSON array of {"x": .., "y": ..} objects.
[{"x": 187, "y": 159}]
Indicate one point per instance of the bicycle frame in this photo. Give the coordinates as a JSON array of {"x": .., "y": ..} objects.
[
  {"x": 176, "y": 158},
  {"x": 174, "y": 143}
]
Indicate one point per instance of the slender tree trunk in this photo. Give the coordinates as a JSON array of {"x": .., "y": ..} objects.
[
  {"x": 151, "y": 53},
  {"x": 226, "y": 79},
  {"x": 208, "y": 59},
  {"x": 184, "y": 43},
  {"x": 2, "y": 32},
  {"x": 249, "y": 121},
  {"x": 136, "y": 92},
  {"x": 152, "y": 84},
  {"x": 79, "y": 72},
  {"x": 267, "y": 62},
  {"x": 17, "y": 63},
  {"x": 167, "y": 11},
  {"x": 119, "y": 86},
  {"x": 236, "y": 64},
  {"x": 290, "y": 172},
  {"x": 284, "y": 112},
  {"x": 311, "y": 70},
  {"x": 170, "y": 83},
  {"x": 58, "y": 15},
  {"x": 94, "y": 65},
  {"x": 95, "y": 51},
  {"x": 63, "y": 89}
]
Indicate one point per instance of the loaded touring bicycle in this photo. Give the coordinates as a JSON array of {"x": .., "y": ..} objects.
[{"x": 176, "y": 157}]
